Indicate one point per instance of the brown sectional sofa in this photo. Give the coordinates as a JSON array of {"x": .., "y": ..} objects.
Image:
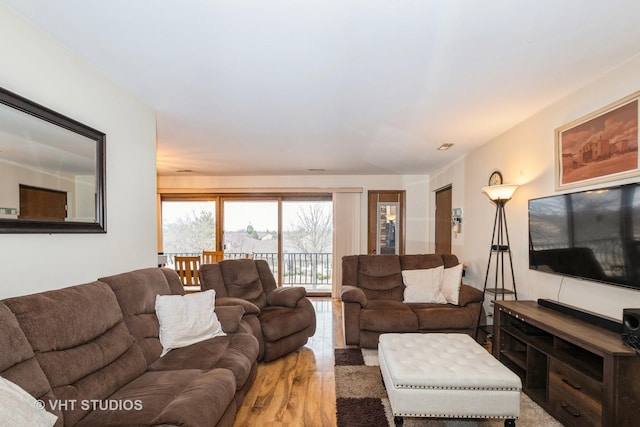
[
  {"x": 372, "y": 295},
  {"x": 94, "y": 348}
]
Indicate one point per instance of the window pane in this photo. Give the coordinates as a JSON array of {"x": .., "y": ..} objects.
[
  {"x": 188, "y": 227},
  {"x": 387, "y": 221},
  {"x": 251, "y": 230},
  {"x": 307, "y": 242}
]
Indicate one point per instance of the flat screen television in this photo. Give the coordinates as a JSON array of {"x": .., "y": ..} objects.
[{"x": 592, "y": 235}]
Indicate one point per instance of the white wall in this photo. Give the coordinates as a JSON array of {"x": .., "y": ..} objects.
[
  {"x": 525, "y": 156},
  {"x": 454, "y": 176},
  {"x": 416, "y": 186},
  {"x": 37, "y": 67},
  {"x": 85, "y": 205}
]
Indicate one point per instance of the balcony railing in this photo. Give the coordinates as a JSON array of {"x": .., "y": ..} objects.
[{"x": 311, "y": 270}]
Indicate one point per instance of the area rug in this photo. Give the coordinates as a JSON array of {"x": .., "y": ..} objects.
[{"x": 361, "y": 399}]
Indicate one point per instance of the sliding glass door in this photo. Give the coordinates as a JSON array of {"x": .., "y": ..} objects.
[{"x": 293, "y": 233}]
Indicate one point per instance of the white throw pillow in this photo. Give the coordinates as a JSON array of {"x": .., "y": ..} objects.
[
  {"x": 187, "y": 319},
  {"x": 19, "y": 408},
  {"x": 423, "y": 285},
  {"x": 451, "y": 281}
]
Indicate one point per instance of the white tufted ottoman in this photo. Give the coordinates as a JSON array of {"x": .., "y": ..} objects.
[{"x": 446, "y": 376}]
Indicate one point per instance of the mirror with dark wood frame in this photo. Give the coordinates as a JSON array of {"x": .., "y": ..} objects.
[{"x": 52, "y": 171}]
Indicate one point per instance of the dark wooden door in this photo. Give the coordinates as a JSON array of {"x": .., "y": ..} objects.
[
  {"x": 443, "y": 221},
  {"x": 42, "y": 204}
]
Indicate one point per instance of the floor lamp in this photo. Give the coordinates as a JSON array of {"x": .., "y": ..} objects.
[{"x": 499, "y": 195}]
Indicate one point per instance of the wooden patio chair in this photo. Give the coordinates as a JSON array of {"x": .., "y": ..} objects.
[
  {"x": 212, "y": 257},
  {"x": 187, "y": 268}
]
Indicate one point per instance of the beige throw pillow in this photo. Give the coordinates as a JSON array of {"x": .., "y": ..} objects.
[
  {"x": 187, "y": 319},
  {"x": 19, "y": 408},
  {"x": 423, "y": 285},
  {"x": 451, "y": 281}
]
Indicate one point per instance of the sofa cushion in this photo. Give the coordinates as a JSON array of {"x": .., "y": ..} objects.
[
  {"x": 81, "y": 342},
  {"x": 449, "y": 260},
  {"x": 230, "y": 317},
  {"x": 276, "y": 349},
  {"x": 287, "y": 297},
  {"x": 242, "y": 280},
  {"x": 266, "y": 276},
  {"x": 380, "y": 277},
  {"x": 421, "y": 261},
  {"x": 350, "y": 270},
  {"x": 278, "y": 322},
  {"x": 352, "y": 294},
  {"x": 18, "y": 364},
  {"x": 210, "y": 277},
  {"x": 434, "y": 317},
  {"x": 235, "y": 352},
  {"x": 136, "y": 293},
  {"x": 424, "y": 285},
  {"x": 388, "y": 316},
  {"x": 187, "y": 319},
  {"x": 469, "y": 295},
  {"x": 248, "y": 307},
  {"x": 188, "y": 397}
]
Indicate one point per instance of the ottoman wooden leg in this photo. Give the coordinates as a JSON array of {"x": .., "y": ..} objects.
[
  {"x": 509, "y": 422},
  {"x": 398, "y": 421}
]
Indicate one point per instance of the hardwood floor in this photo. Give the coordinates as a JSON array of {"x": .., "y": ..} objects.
[{"x": 298, "y": 389}]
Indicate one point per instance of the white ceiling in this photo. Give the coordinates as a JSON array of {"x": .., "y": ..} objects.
[{"x": 268, "y": 87}]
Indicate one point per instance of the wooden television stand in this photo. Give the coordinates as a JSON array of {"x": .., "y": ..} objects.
[{"x": 580, "y": 373}]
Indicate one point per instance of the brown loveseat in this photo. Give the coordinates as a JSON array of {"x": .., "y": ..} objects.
[
  {"x": 91, "y": 353},
  {"x": 284, "y": 318},
  {"x": 372, "y": 295}
]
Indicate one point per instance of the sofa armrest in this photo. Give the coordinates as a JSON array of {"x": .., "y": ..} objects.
[
  {"x": 350, "y": 293},
  {"x": 469, "y": 294},
  {"x": 249, "y": 307},
  {"x": 286, "y": 297},
  {"x": 230, "y": 317}
]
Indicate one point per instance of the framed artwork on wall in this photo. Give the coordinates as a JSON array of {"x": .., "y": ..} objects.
[{"x": 599, "y": 147}]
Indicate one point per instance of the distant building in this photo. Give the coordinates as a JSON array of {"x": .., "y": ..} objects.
[{"x": 595, "y": 151}]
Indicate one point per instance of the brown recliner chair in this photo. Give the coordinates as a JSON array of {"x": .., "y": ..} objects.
[{"x": 285, "y": 318}]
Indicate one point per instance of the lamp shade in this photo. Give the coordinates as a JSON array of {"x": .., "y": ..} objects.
[{"x": 500, "y": 192}]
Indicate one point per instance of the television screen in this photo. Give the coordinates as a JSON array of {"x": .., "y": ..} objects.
[{"x": 592, "y": 234}]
